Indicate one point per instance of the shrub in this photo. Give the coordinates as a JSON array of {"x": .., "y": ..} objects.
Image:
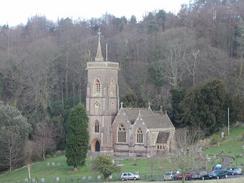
[
  {"x": 215, "y": 139},
  {"x": 104, "y": 165}
]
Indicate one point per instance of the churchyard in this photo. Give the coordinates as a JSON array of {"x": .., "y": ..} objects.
[{"x": 55, "y": 169}]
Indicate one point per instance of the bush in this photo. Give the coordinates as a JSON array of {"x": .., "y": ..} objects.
[
  {"x": 104, "y": 165},
  {"x": 215, "y": 139}
]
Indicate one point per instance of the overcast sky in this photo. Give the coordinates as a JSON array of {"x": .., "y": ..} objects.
[{"x": 14, "y": 12}]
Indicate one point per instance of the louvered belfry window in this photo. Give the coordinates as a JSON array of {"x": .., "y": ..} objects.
[
  {"x": 98, "y": 86},
  {"x": 96, "y": 126}
]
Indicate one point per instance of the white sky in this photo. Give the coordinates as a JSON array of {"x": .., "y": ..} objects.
[{"x": 14, "y": 12}]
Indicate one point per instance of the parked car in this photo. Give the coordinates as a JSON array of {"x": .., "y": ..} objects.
[
  {"x": 234, "y": 171},
  {"x": 205, "y": 176},
  {"x": 196, "y": 175},
  {"x": 169, "y": 175},
  {"x": 188, "y": 176},
  {"x": 218, "y": 174},
  {"x": 129, "y": 176}
]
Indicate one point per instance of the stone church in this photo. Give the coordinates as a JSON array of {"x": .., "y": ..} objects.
[{"x": 115, "y": 129}]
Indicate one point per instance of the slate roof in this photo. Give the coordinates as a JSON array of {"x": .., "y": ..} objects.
[
  {"x": 151, "y": 119},
  {"x": 162, "y": 137}
]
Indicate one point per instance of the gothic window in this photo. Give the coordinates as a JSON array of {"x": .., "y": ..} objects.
[
  {"x": 97, "y": 87},
  {"x": 96, "y": 126},
  {"x": 139, "y": 136},
  {"x": 121, "y": 133}
]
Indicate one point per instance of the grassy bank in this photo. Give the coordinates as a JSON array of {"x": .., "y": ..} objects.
[
  {"x": 149, "y": 169},
  {"x": 232, "y": 145}
]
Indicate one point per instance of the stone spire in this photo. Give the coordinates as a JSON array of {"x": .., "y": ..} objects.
[{"x": 99, "y": 56}]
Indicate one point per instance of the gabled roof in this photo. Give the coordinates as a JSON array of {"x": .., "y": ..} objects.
[
  {"x": 162, "y": 137},
  {"x": 150, "y": 118}
]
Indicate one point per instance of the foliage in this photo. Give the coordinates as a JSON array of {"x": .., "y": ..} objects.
[
  {"x": 14, "y": 132},
  {"x": 56, "y": 166},
  {"x": 131, "y": 100},
  {"x": 77, "y": 137},
  {"x": 176, "y": 113},
  {"x": 215, "y": 139},
  {"x": 156, "y": 74},
  {"x": 42, "y": 68},
  {"x": 105, "y": 166},
  {"x": 44, "y": 138},
  {"x": 204, "y": 107}
]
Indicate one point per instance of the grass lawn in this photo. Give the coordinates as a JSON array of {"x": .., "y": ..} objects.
[
  {"x": 148, "y": 168},
  {"x": 232, "y": 145},
  {"x": 57, "y": 167}
]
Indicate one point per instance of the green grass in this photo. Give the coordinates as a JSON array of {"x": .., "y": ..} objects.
[
  {"x": 148, "y": 168},
  {"x": 231, "y": 145},
  {"x": 49, "y": 169},
  {"x": 57, "y": 167}
]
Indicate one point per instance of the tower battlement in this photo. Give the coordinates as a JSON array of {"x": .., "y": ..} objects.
[{"x": 102, "y": 65}]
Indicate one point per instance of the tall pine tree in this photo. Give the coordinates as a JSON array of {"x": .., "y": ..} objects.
[{"x": 77, "y": 137}]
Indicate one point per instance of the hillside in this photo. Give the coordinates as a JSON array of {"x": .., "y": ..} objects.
[
  {"x": 148, "y": 168},
  {"x": 231, "y": 147}
]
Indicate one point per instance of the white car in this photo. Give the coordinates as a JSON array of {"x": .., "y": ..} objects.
[
  {"x": 169, "y": 175},
  {"x": 129, "y": 176}
]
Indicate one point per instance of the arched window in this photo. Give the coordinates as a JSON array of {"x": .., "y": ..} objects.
[
  {"x": 98, "y": 86},
  {"x": 96, "y": 126},
  {"x": 121, "y": 133},
  {"x": 139, "y": 136}
]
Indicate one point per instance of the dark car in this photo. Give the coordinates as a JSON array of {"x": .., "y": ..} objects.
[
  {"x": 205, "y": 176},
  {"x": 188, "y": 176},
  {"x": 216, "y": 174},
  {"x": 234, "y": 171},
  {"x": 196, "y": 175}
]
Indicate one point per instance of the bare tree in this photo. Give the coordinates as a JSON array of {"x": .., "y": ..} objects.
[
  {"x": 44, "y": 138},
  {"x": 12, "y": 147},
  {"x": 188, "y": 154}
]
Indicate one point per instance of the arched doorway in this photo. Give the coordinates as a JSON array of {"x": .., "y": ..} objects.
[{"x": 97, "y": 146}]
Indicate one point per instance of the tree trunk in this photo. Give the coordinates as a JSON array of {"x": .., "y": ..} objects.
[{"x": 66, "y": 76}]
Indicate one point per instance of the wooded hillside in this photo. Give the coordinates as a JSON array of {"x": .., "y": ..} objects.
[{"x": 42, "y": 63}]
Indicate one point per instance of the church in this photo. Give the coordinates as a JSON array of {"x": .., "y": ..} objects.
[{"x": 115, "y": 129}]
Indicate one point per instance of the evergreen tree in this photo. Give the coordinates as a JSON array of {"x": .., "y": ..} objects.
[
  {"x": 14, "y": 131},
  {"x": 205, "y": 107},
  {"x": 176, "y": 112},
  {"x": 77, "y": 136}
]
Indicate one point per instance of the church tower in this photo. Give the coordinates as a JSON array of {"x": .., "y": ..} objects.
[{"x": 102, "y": 100}]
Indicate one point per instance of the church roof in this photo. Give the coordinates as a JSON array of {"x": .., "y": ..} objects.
[
  {"x": 150, "y": 118},
  {"x": 162, "y": 137}
]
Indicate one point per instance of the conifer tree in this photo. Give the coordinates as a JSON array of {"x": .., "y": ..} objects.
[{"x": 77, "y": 137}]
